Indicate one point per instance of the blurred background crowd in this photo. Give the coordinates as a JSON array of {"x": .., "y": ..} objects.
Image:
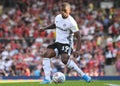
[{"x": 21, "y": 45}]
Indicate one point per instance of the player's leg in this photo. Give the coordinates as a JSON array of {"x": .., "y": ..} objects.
[
  {"x": 72, "y": 65},
  {"x": 65, "y": 50},
  {"x": 46, "y": 65}
]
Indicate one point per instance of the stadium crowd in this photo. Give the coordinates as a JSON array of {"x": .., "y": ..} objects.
[{"x": 21, "y": 45}]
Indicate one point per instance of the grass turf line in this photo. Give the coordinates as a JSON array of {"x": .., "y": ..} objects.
[{"x": 66, "y": 83}]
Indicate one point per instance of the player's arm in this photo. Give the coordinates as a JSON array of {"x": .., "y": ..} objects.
[
  {"x": 52, "y": 26},
  {"x": 77, "y": 36},
  {"x": 74, "y": 28},
  {"x": 78, "y": 44}
]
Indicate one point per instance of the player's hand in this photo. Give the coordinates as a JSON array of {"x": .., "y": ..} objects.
[{"x": 76, "y": 54}]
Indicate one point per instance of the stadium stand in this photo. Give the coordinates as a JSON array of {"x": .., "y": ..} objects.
[{"x": 21, "y": 45}]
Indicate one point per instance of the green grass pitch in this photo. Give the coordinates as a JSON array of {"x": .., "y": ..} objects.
[{"x": 66, "y": 83}]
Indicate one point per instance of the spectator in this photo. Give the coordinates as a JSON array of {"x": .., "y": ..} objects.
[
  {"x": 118, "y": 63},
  {"x": 21, "y": 43}
]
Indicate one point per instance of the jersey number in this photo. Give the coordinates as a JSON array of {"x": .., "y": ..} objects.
[{"x": 65, "y": 48}]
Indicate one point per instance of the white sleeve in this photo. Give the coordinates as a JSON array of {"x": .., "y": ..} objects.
[{"x": 74, "y": 27}]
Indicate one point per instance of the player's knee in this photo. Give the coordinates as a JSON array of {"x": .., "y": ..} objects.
[
  {"x": 49, "y": 53},
  {"x": 65, "y": 59}
]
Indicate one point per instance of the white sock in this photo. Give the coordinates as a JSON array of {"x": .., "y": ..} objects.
[
  {"x": 72, "y": 65},
  {"x": 47, "y": 68}
]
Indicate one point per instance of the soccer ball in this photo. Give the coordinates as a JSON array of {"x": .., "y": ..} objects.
[{"x": 58, "y": 77}]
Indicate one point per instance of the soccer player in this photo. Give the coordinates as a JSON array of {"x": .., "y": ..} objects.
[{"x": 65, "y": 26}]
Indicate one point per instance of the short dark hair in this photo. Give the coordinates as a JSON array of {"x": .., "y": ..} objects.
[{"x": 65, "y": 4}]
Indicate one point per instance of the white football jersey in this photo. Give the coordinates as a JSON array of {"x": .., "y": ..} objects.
[{"x": 65, "y": 29}]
